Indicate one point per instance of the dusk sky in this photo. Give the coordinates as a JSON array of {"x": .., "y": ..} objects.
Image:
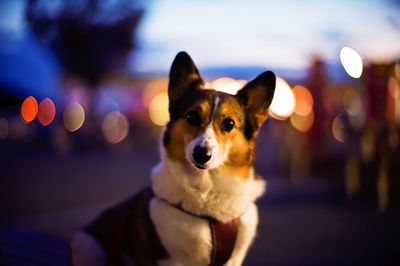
[
  {"x": 275, "y": 34},
  {"x": 281, "y": 34}
]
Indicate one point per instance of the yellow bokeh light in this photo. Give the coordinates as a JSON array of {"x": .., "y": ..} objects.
[
  {"x": 73, "y": 116},
  {"x": 226, "y": 84},
  {"x": 284, "y": 101},
  {"x": 152, "y": 89},
  {"x": 351, "y": 62},
  {"x": 302, "y": 123},
  {"x": 304, "y": 100},
  {"x": 158, "y": 109}
]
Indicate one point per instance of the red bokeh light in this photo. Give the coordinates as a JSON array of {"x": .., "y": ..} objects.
[{"x": 47, "y": 112}]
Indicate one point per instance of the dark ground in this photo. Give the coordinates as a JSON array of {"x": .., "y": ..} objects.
[{"x": 42, "y": 191}]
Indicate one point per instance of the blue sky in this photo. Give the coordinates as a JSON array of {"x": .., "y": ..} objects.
[
  {"x": 273, "y": 34},
  {"x": 279, "y": 34}
]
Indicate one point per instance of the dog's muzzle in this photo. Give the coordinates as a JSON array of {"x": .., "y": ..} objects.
[{"x": 201, "y": 155}]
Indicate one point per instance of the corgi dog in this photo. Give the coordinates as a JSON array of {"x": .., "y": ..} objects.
[{"x": 200, "y": 208}]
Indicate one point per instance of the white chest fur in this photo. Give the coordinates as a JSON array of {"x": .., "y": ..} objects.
[{"x": 187, "y": 238}]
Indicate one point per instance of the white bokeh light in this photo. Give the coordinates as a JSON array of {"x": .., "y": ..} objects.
[
  {"x": 284, "y": 101},
  {"x": 351, "y": 62}
]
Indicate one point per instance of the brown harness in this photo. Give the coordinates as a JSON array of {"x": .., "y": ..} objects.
[
  {"x": 128, "y": 228},
  {"x": 223, "y": 236}
]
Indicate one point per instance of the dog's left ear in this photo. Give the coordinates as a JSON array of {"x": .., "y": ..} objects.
[
  {"x": 256, "y": 96},
  {"x": 183, "y": 78}
]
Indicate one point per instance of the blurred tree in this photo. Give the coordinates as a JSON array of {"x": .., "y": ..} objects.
[{"x": 90, "y": 37}]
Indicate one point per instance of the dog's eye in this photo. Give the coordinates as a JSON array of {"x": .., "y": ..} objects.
[
  {"x": 193, "y": 118},
  {"x": 227, "y": 125}
]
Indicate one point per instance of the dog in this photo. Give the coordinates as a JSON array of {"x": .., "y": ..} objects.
[{"x": 200, "y": 208}]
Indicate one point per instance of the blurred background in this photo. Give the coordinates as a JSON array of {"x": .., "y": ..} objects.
[{"x": 83, "y": 100}]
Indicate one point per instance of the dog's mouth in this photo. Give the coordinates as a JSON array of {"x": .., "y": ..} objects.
[{"x": 200, "y": 166}]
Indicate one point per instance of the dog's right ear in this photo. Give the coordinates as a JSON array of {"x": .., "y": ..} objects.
[{"x": 183, "y": 78}]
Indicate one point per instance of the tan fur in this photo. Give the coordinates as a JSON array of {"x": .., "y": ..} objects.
[
  {"x": 241, "y": 151},
  {"x": 181, "y": 135},
  {"x": 240, "y": 156}
]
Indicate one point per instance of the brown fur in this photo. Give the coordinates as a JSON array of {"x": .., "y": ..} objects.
[{"x": 248, "y": 109}]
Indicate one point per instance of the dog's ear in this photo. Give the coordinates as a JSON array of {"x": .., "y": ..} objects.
[
  {"x": 256, "y": 96},
  {"x": 183, "y": 78}
]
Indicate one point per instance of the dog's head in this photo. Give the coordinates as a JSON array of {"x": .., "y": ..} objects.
[{"x": 211, "y": 130}]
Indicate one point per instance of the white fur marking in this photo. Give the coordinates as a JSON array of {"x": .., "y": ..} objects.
[
  {"x": 219, "y": 152},
  {"x": 216, "y": 102},
  {"x": 187, "y": 238},
  {"x": 208, "y": 139},
  {"x": 194, "y": 234},
  {"x": 203, "y": 193}
]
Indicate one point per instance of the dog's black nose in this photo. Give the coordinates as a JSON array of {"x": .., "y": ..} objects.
[{"x": 201, "y": 154}]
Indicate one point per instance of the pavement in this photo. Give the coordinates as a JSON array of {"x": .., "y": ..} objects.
[{"x": 54, "y": 194}]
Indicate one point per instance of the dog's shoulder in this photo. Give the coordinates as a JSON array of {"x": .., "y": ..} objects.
[
  {"x": 127, "y": 229},
  {"x": 117, "y": 219}
]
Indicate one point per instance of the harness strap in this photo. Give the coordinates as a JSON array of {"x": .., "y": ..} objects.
[
  {"x": 128, "y": 227},
  {"x": 224, "y": 236}
]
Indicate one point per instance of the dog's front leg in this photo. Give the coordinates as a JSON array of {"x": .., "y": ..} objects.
[{"x": 247, "y": 232}]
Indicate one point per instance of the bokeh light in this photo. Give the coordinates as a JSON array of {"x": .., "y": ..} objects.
[
  {"x": 47, "y": 111},
  {"x": 304, "y": 100},
  {"x": 284, "y": 101},
  {"x": 338, "y": 129},
  {"x": 152, "y": 89},
  {"x": 115, "y": 127},
  {"x": 4, "y": 128},
  {"x": 351, "y": 62},
  {"x": 158, "y": 109},
  {"x": 73, "y": 116},
  {"x": 352, "y": 102},
  {"x": 302, "y": 123},
  {"x": 79, "y": 93},
  {"x": 226, "y": 84},
  {"x": 29, "y": 109}
]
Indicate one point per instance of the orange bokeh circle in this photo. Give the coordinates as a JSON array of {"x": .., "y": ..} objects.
[{"x": 29, "y": 109}]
